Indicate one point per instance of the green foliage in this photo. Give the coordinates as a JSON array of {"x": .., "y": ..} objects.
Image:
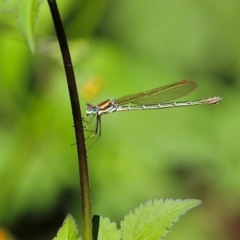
[
  {"x": 26, "y": 12},
  {"x": 108, "y": 230},
  {"x": 155, "y": 219},
  {"x": 68, "y": 231},
  {"x": 152, "y": 220}
]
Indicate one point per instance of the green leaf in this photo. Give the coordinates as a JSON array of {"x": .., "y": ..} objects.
[
  {"x": 26, "y": 12},
  {"x": 68, "y": 231},
  {"x": 154, "y": 219},
  {"x": 108, "y": 230},
  {"x": 8, "y": 5}
]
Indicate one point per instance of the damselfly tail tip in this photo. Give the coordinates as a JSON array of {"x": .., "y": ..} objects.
[{"x": 214, "y": 100}]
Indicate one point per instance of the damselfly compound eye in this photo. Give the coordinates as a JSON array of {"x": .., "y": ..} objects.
[{"x": 90, "y": 109}]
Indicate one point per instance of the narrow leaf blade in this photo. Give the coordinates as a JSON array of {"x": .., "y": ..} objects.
[
  {"x": 27, "y": 18},
  {"x": 26, "y": 12}
]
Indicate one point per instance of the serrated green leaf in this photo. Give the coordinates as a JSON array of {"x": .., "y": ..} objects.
[
  {"x": 26, "y": 12},
  {"x": 108, "y": 230},
  {"x": 68, "y": 231},
  {"x": 154, "y": 219}
]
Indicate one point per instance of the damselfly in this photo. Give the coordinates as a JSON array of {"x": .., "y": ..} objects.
[{"x": 157, "y": 98}]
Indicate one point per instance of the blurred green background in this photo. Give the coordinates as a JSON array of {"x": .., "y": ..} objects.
[{"x": 118, "y": 48}]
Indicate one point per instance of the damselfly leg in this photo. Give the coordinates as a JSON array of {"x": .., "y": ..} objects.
[{"x": 97, "y": 127}]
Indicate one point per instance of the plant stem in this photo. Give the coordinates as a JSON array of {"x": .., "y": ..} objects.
[{"x": 77, "y": 118}]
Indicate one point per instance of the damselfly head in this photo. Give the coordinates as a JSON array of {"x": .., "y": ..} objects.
[{"x": 90, "y": 109}]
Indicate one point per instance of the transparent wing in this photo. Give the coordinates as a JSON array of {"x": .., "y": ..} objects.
[{"x": 159, "y": 95}]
